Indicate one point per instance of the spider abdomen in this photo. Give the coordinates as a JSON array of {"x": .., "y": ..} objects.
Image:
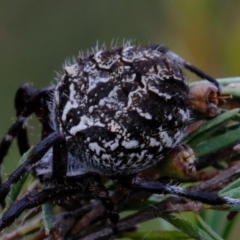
[{"x": 122, "y": 110}]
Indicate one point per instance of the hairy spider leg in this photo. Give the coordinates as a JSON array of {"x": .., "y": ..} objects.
[
  {"x": 18, "y": 129},
  {"x": 7, "y": 140},
  {"x": 155, "y": 186},
  {"x": 27, "y": 101},
  {"x": 34, "y": 199},
  {"x": 187, "y": 65},
  {"x": 36, "y": 155}
]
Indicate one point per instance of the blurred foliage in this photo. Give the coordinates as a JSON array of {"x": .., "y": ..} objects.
[{"x": 36, "y": 38}]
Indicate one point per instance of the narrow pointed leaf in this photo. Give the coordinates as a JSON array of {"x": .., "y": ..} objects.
[
  {"x": 232, "y": 185},
  {"x": 209, "y": 127},
  {"x": 207, "y": 228},
  {"x": 217, "y": 143},
  {"x": 191, "y": 229},
  {"x": 157, "y": 235},
  {"x": 222, "y": 81},
  {"x": 16, "y": 189},
  {"x": 47, "y": 217},
  {"x": 232, "y": 91}
]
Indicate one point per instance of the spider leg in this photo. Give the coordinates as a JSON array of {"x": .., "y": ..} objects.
[
  {"x": 187, "y": 65},
  {"x": 23, "y": 95},
  {"x": 102, "y": 193},
  {"x": 60, "y": 160},
  {"x": 7, "y": 140},
  {"x": 6, "y": 143},
  {"x": 37, "y": 154},
  {"x": 27, "y": 101},
  {"x": 34, "y": 199},
  {"x": 152, "y": 186},
  {"x": 41, "y": 109}
]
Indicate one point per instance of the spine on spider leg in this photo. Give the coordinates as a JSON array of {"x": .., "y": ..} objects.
[
  {"x": 204, "y": 197},
  {"x": 37, "y": 154}
]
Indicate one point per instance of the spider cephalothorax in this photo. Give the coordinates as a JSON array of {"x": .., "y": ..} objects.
[{"x": 113, "y": 112}]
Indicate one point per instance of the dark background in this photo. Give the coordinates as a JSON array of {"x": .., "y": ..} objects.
[{"x": 37, "y": 36}]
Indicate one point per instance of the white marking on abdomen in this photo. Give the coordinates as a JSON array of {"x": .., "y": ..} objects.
[
  {"x": 166, "y": 139},
  {"x": 95, "y": 148},
  {"x": 85, "y": 122},
  {"x": 130, "y": 144},
  {"x": 72, "y": 103}
]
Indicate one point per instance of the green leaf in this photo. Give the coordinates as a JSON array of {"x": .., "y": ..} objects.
[
  {"x": 206, "y": 130},
  {"x": 207, "y": 228},
  {"x": 232, "y": 91},
  {"x": 16, "y": 189},
  {"x": 231, "y": 186},
  {"x": 232, "y": 191},
  {"x": 157, "y": 235},
  {"x": 217, "y": 143},
  {"x": 222, "y": 81},
  {"x": 189, "y": 228},
  {"x": 47, "y": 214}
]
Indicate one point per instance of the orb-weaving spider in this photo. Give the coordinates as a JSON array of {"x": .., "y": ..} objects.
[{"x": 113, "y": 112}]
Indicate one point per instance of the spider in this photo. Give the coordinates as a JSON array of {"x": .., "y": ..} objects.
[{"x": 113, "y": 112}]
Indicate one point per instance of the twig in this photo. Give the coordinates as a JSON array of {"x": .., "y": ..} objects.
[{"x": 23, "y": 230}]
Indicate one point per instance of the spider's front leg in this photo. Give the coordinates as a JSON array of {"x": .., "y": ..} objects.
[
  {"x": 34, "y": 199},
  {"x": 22, "y": 98},
  {"x": 37, "y": 154},
  {"x": 27, "y": 101},
  {"x": 52, "y": 192},
  {"x": 23, "y": 95}
]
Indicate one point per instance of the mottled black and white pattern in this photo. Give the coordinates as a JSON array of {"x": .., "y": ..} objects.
[{"x": 121, "y": 110}]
